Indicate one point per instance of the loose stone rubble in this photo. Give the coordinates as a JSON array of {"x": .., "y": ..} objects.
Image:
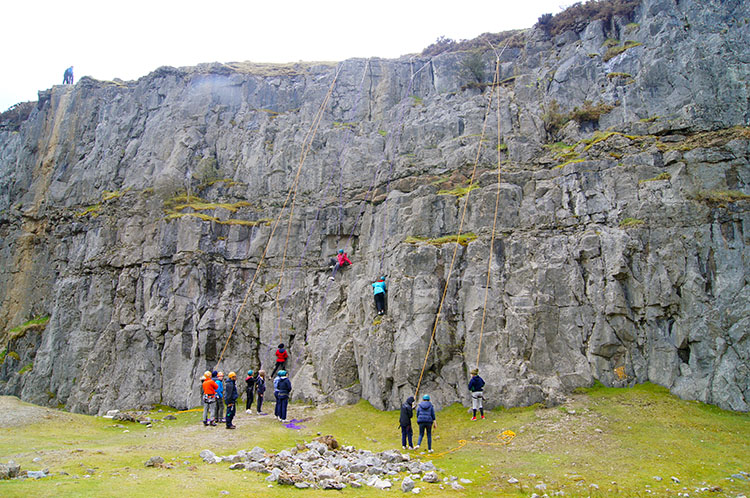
[{"x": 315, "y": 465}]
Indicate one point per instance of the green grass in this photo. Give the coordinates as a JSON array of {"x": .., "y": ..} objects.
[
  {"x": 720, "y": 197},
  {"x": 604, "y": 435},
  {"x": 35, "y": 323}
]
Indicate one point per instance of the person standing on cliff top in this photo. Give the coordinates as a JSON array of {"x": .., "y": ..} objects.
[
  {"x": 68, "y": 76},
  {"x": 281, "y": 357},
  {"x": 476, "y": 388},
  {"x": 379, "y": 289}
]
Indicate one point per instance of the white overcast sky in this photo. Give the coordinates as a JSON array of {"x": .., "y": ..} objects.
[{"x": 130, "y": 38}]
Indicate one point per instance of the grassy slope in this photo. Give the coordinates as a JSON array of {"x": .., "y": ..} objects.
[{"x": 617, "y": 439}]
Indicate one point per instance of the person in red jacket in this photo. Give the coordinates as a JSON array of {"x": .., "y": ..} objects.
[
  {"x": 342, "y": 259},
  {"x": 281, "y": 356},
  {"x": 209, "y": 398}
]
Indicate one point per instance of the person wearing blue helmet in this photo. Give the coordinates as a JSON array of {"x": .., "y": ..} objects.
[
  {"x": 426, "y": 421},
  {"x": 250, "y": 386},
  {"x": 284, "y": 389}
]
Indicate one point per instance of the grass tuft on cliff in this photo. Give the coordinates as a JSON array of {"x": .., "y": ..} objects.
[{"x": 618, "y": 439}]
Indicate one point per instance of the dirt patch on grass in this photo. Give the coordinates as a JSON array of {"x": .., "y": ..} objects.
[{"x": 16, "y": 413}]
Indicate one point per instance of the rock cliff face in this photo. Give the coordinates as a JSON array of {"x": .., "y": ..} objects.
[{"x": 620, "y": 252}]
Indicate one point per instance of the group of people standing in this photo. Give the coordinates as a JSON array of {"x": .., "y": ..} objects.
[
  {"x": 426, "y": 414},
  {"x": 216, "y": 394},
  {"x": 216, "y": 390}
]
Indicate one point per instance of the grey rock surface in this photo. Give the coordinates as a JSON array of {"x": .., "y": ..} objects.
[{"x": 619, "y": 254}]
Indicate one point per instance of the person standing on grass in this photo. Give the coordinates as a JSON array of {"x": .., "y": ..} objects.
[
  {"x": 476, "y": 388},
  {"x": 426, "y": 421},
  {"x": 250, "y": 385},
  {"x": 404, "y": 421},
  {"x": 220, "y": 397},
  {"x": 230, "y": 398},
  {"x": 209, "y": 399},
  {"x": 282, "y": 400},
  {"x": 261, "y": 388}
]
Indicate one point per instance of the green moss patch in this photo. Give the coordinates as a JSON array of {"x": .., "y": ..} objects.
[
  {"x": 36, "y": 323},
  {"x": 631, "y": 223},
  {"x": 463, "y": 239}
]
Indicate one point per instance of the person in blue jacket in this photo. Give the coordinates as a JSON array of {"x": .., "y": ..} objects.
[
  {"x": 379, "y": 289},
  {"x": 476, "y": 388},
  {"x": 220, "y": 397},
  {"x": 284, "y": 389},
  {"x": 426, "y": 421}
]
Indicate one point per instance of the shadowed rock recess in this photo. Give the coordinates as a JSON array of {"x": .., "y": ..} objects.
[{"x": 621, "y": 253}]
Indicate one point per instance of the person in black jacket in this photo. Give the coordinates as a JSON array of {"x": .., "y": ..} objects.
[
  {"x": 250, "y": 384},
  {"x": 404, "y": 421},
  {"x": 284, "y": 388},
  {"x": 230, "y": 398},
  {"x": 476, "y": 388},
  {"x": 261, "y": 389}
]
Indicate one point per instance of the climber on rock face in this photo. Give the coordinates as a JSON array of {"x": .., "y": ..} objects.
[
  {"x": 342, "y": 259},
  {"x": 476, "y": 386},
  {"x": 281, "y": 357},
  {"x": 379, "y": 292}
]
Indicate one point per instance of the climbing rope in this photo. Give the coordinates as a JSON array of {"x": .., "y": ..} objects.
[
  {"x": 497, "y": 206},
  {"x": 313, "y": 126},
  {"x": 458, "y": 238},
  {"x": 504, "y": 438},
  {"x": 349, "y": 135},
  {"x": 307, "y": 145}
]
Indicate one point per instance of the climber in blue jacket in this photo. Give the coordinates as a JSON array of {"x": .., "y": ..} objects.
[{"x": 379, "y": 289}]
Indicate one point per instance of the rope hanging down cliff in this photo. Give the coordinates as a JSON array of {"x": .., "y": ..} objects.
[
  {"x": 292, "y": 190},
  {"x": 349, "y": 135},
  {"x": 495, "y": 83},
  {"x": 497, "y": 202}
]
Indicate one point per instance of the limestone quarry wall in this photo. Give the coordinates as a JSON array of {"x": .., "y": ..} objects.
[{"x": 620, "y": 253}]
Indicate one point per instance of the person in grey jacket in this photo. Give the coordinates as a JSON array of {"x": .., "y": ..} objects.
[{"x": 426, "y": 421}]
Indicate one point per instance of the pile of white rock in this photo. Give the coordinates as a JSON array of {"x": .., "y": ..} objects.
[{"x": 326, "y": 466}]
